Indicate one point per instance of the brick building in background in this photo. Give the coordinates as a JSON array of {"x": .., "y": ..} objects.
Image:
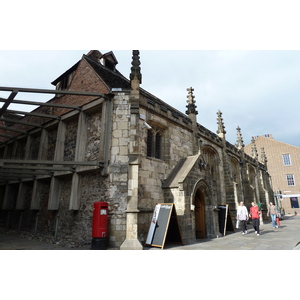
[
  {"x": 284, "y": 167},
  {"x": 104, "y": 138}
]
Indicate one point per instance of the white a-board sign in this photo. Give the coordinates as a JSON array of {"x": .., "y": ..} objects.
[{"x": 164, "y": 226}]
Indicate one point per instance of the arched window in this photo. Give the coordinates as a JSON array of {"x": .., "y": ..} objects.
[
  {"x": 212, "y": 160},
  {"x": 154, "y": 144}
]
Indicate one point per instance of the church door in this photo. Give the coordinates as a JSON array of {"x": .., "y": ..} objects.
[{"x": 200, "y": 215}]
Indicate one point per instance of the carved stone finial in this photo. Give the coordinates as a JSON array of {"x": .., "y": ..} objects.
[
  {"x": 135, "y": 69},
  {"x": 239, "y": 142},
  {"x": 221, "y": 128},
  {"x": 263, "y": 155},
  {"x": 191, "y": 107},
  {"x": 254, "y": 149}
]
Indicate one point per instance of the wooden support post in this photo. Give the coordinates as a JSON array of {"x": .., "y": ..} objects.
[
  {"x": 43, "y": 150},
  {"x": 75, "y": 192},
  {"x": 37, "y": 186},
  {"x": 10, "y": 193},
  {"x": 54, "y": 195},
  {"x": 36, "y": 195},
  {"x": 55, "y": 185},
  {"x": 21, "y": 196},
  {"x": 79, "y": 156},
  {"x": 105, "y": 139}
]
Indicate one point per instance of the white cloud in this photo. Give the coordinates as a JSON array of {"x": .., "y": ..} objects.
[{"x": 257, "y": 90}]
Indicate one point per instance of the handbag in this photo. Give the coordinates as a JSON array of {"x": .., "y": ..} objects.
[{"x": 237, "y": 224}]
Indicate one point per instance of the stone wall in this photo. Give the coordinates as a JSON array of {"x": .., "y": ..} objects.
[
  {"x": 113, "y": 133},
  {"x": 94, "y": 133},
  {"x": 74, "y": 227},
  {"x": 70, "y": 140},
  {"x": 152, "y": 171},
  {"x": 52, "y": 136}
]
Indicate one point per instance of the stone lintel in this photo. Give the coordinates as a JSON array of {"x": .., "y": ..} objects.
[{"x": 132, "y": 211}]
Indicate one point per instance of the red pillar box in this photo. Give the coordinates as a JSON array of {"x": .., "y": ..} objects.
[{"x": 100, "y": 225}]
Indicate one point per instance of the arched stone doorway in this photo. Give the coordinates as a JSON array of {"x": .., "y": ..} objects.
[
  {"x": 200, "y": 215},
  {"x": 201, "y": 200}
]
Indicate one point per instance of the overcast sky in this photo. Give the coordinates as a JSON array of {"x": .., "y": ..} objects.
[{"x": 256, "y": 90}]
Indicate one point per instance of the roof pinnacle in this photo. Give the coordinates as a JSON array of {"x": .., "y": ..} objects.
[
  {"x": 191, "y": 107},
  {"x": 221, "y": 128},
  {"x": 263, "y": 156},
  {"x": 135, "y": 69},
  {"x": 254, "y": 149},
  {"x": 239, "y": 142}
]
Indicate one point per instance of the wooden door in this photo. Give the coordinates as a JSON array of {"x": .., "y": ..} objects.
[{"x": 200, "y": 216}]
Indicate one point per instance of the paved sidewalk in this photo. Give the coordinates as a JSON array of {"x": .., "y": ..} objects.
[{"x": 284, "y": 238}]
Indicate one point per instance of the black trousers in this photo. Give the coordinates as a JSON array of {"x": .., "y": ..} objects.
[
  {"x": 255, "y": 223},
  {"x": 244, "y": 225}
]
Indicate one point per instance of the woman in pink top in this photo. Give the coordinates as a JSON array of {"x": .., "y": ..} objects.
[{"x": 254, "y": 214}]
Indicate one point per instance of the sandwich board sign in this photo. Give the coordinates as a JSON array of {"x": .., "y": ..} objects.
[
  {"x": 225, "y": 221},
  {"x": 164, "y": 226}
]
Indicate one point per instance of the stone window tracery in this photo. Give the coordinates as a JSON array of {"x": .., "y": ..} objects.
[{"x": 154, "y": 143}]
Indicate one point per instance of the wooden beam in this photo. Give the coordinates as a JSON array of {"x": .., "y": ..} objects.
[
  {"x": 20, "y": 122},
  {"x": 19, "y": 173},
  {"x": 25, "y": 113},
  {"x": 45, "y": 91},
  {"x": 13, "y": 129},
  {"x": 7, "y": 136},
  {"x": 26, "y": 102},
  {"x": 51, "y": 162},
  {"x": 51, "y": 169},
  {"x": 8, "y": 102}
]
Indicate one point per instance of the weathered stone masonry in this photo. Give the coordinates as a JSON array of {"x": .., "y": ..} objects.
[{"x": 128, "y": 148}]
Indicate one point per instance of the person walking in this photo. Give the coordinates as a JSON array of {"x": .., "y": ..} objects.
[
  {"x": 278, "y": 217},
  {"x": 242, "y": 216},
  {"x": 272, "y": 211},
  {"x": 254, "y": 215}
]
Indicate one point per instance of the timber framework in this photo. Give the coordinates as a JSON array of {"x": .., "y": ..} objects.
[{"x": 12, "y": 169}]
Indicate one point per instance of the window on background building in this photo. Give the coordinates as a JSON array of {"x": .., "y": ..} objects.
[
  {"x": 294, "y": 202},
  {"x": 286, "y": 159},
  {"x": 290, "y": 179}
]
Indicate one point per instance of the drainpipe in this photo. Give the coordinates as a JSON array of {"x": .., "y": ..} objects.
[
  {"x": 36, "y": 223},
  {"x": 107, "y": 137},
  {"x": 242, "y": 180},
  {"x": 56, "y": 228}
]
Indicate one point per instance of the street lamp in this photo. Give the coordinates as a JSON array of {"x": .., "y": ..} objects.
[{"x": 278, "y": 197}]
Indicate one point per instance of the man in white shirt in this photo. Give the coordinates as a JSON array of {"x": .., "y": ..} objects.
[{"x": 242, "y": 216}]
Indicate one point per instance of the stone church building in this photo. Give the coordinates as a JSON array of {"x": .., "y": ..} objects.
[{"x": 104, "y": 138}]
